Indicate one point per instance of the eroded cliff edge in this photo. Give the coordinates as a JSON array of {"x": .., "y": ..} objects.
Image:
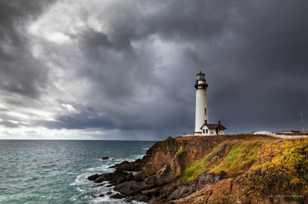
[{"x": 222, "y": 169}]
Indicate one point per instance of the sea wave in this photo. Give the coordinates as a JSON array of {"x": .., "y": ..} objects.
[
  {"x": 81, "y": 179},
  {"x": 98, "y": 192},
  {"x": 134, "y": 157},
  {"x": 42, "y": 172}
]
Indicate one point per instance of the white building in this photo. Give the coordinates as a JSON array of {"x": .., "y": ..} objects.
[{"x": 202, "y": 127}]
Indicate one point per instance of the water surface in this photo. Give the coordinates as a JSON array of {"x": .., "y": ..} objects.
[{"x": 55, "y": 172}]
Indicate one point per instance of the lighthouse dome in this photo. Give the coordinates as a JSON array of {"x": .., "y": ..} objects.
[{"x": 200, "y": 76}]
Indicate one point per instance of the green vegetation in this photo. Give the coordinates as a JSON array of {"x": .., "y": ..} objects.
[
  {"x": 268, "y": 165},
  {"x": 180, "y": 152},
  {"x": 283, "y": 168},
  {"x": 239, "y": 158},
  {"x": 231, "y": 157},
  {"x": 198, "y": 167}
]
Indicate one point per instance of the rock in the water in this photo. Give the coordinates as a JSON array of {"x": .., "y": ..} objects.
[
  {"x": 93, "y": 177},
  {"x": 103, "y": 177},
  {"x": 105, "y": 158},
  {"x": 130, "y": 187},
  {"x": 117, "y": 196},
  {"x": 139, "y": 197},
  {"x": 125, "y": 166}
]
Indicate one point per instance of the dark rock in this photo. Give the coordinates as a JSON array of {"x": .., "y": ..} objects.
[
  {"x": 181, "y": 191},
  {"x": 223, "y": 175},
  {"x": 126, "y": 166},
  {"x": 103, "y": 177},
  {"x": 117, "y": 196},
  {"x": 101, "y": 195},
  {"x": 220, "y": 176},
  {"x": 151, "y": 180},
  {"x": 139, "y": 176},
  {"x": 109, "y": 193},
  {"x": 164, "y": 180},
  {"x": 164, "y": 171},
  {"x": 153, "y": 201},
  {"x": 166, "y": 190},
  {"x": 130, "y": 187},
  {"x": 105, "y": 158},
  {"x": 139, "y": 197},
  {"x": 120, "y": 177},
  {"x": 99, "y": 179},
  {"x": 114, "y": 178},
  {"x": 130, "y": 166},
  {"x": 203, "y": 179},
  {"x": 210, "y": 178},
  {"x": 151, "y": 192},
  {"x": 93, "y": 177}
]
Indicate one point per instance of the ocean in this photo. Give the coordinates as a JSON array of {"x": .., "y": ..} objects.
[{"x": 55, "y": 172}]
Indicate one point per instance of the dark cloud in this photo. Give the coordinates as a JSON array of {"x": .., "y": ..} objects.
[
  {"x": 266, "y": 61},
  {"x": 138, "y": 67},
  {"x": 20, "y": 72}
]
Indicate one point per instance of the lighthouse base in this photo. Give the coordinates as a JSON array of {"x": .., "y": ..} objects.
[{"x": 209, "y": 132}]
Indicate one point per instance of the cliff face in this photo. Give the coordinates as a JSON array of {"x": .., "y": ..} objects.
[{"x": 198, "y": 170}]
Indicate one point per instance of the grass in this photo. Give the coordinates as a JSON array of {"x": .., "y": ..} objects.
[
  {"x": 244, "y": 156},
  {"x": 240, "y": 157},
  {"x": 283, "y": 168},
  {"x": 231, "y": 157},
  {"x": 180, "y": 152},
  {"x": 198, "y": 167}
]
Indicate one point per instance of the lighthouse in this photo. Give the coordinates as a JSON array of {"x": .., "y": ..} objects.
[
  {"x": 202, "y": 127},
  {"x": 201, "y": 114}
]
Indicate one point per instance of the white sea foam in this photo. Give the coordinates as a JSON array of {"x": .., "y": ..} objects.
[
  {"x": 82, "y": 179},
  {"x": 105, "y": 167},
  {"x": 83, "y": 185},
  {"x": 109, "y": 159},
  {"x": 107, "y": 200},
  {"x": 102, "y": 169},
  {"x": 71, "y": 173},
  {"x": 134, "y": 157}
]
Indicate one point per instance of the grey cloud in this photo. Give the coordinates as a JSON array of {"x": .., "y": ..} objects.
[
  {"x": 268, "y": 54},
  {"x": 19, "y": 73},
  {"x": 249, "y": 50},
  {"x": 253, "y": 52}
]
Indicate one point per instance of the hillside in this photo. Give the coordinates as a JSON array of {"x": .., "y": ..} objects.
[{"x": 224, "y": 169}]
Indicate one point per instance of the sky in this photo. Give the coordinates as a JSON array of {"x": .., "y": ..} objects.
[{"x": 115, "y": 69}]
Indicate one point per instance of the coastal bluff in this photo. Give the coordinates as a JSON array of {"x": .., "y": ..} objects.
[{"x": 221, "y": 169}]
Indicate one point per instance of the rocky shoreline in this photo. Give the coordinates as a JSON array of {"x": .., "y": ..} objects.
[{"x": 175, "y": 171}]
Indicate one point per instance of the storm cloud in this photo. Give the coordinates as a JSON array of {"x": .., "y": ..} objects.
[{"x": 118, "y": 69}]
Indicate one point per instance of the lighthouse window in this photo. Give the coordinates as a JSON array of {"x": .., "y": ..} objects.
[{"x": 205, "y": 111}]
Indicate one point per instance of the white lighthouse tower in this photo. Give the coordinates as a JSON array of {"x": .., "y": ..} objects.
[
  {"x": 201, "y": 116},
  {"x": 202, "y": 127}
]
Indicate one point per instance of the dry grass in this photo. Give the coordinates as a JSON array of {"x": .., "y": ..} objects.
[{"x": 249, "y": 155}]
